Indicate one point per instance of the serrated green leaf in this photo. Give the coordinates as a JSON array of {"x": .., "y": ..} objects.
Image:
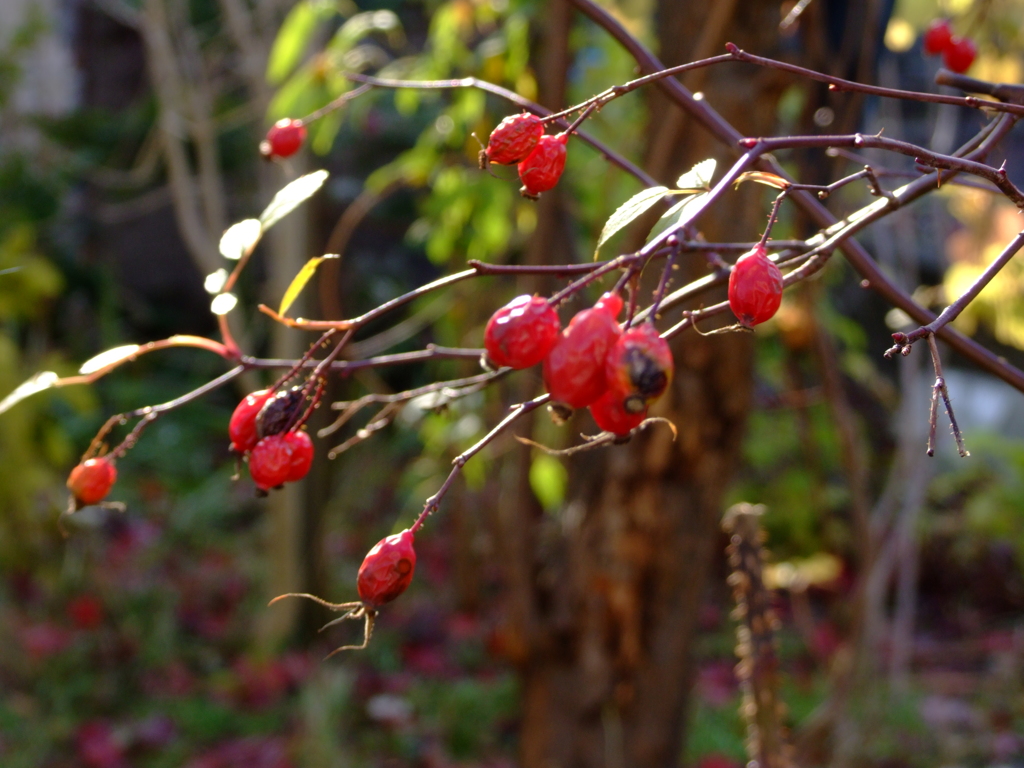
[
  {"x": 679, "y": 214},
  {"x": 548, "y": 480},
  {"x": 699, "y": 177},
  {"x": 291, "y": 197},
  {"x": 300, "y": 280},
  {"x": 239, "y": 238},
  {"x": 629, "y": 211},
  {"x": 38, "y": 383},
  {"x": 292, "y": 40}
]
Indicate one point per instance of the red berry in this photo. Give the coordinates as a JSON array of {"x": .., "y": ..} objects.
[
  {"x": 521, "y": 333},
  {"x": 387, "y": 569},
  {"x": 959, "y": 54},
  {"x": 937, "y": 37},
  {"x": 302, "y": 454},
  {"x": 574, "y": 370},
  {"x": 542, "y": 168},
  {"x": 242, "y": 427},
  {"x": 279, "y": 411},
  {"x": 90, "y": 481},
  {"x": 610, "y": 415},
  {"x": 639, "y": 368},
  {"x": 283, "y": 139},
  {"x": 755, "y": 288},
  {"x": 270, "y": 462},
  {"x": 85, "y": 612},
  {"x": 513, "y": 139}
]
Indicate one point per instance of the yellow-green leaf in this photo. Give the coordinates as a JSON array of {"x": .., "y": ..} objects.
[
  {"x": 699, "y": 177},
  {"x": 629, "y": 211},
  {"x": 111, "y": 356},
  {"x": 41, "y": 381},
  {"x": 300, "y": 280},
  {"x": 548, "y": 480},
  {"x": 291, "y": 196}
]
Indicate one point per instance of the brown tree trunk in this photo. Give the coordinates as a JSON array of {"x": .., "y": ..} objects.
[{"x": 602, "y": 600}]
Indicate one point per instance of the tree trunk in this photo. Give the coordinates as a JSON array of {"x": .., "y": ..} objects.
[{"x": 602, "y": 600}]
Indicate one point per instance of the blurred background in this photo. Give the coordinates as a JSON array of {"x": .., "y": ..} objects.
[{"x": 564, "y": 613}]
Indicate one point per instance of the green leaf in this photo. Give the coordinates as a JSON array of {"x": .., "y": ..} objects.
[
  {"x": 300, "y": 280},
  {"x": 679, "y": 214},
  {"x": 548, "y": 479},
  {"x": 239, "y": 238},
  {"x": 629, "y": 211},
  {"x": 361, "y": 25},
  {"x": 38, "y": 383},
  {"x": 293, "y": 39},
  {"x": 291, "y": 197},
  {"x": 698, "y": 178}
]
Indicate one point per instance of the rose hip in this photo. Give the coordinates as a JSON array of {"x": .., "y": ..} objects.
[
  {"x": 242, "y": 427},
  {"x": 543, "y": 167},
  {"x": 91, "y": 481},
  {"x": 755, "y": 288},
  {"x": 574, "y": 371},
  {"x": 937, "y": 37},
  {"x": 521, "y": 333},
  {"x": 610, "y": 415},
  {"x": 270, "y": 462},
  {"x": 284, "y": 139},
  {"x": 959, "y": 54},
  {"x": 302, "y": 454},
  {"x": 513, "y": 139},
  {"x": 639, "y": 368},
  {"x": 387, "y": 569}
]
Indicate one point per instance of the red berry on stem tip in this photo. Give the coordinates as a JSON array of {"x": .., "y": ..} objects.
[
  {"x": 513, "y": 139},
  {"x": 284, "y": 139},
  {"x": 521, "y": 333},
  {"x": 91, "y": 481},
  {"x": 959, "y": 54},
  {"x": 543, "y": 167},
  {"x": 755, "y": 288},
  {"x": 242, "y": 427},
  {"x": 610, "y": 416},
  {"x": 574, "y": 371},
  {"x": 302, "y": 454},
  {"x": 387, "y": 569},
  {"x": 270, "y": 462},
  {"x": 639, "y": 368},
  {"x": 937, "y": 37}
]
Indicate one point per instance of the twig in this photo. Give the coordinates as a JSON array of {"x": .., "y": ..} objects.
[{"x": 939, "y": 390}]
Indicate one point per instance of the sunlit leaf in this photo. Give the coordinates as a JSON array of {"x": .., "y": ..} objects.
[
  {"x": 629, "y": 211},
  {"x": 679, "y": 214},
  {"x": 763, "y": 177},
  {"x": 291, "y": 197},
  {"x": 291, "y": 41},
  {"x": 223, "y": 303},
  {"x": 548, "y": 480},
  {"x": 699, "y": 177},
  {"x": 215, "y": 281},
  {"x": 300, "y": 280},
  {"x": 41, "y": 381},
  {"x": 111, "y": 356},
  {"x": 239, "y": 238}
]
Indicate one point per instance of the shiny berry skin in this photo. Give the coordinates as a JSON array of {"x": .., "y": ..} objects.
[
  {"x": 959, "y": 54},
  {"x": 387, "y": 569},
  {"x": 284, "y": 139},
  {"x": 639, "y": 368},
  {"x": 610, "y": 416},
  {"x": 513, "y": 139},
  {"x": 543, "y": 167},
  {"x": 755, "y": 288},
  {"x": 242, "y": 427},
  {"x": 574, "y": 371},
  {"x": 521, "y": 333},
  {"x": 302, "y": 454},
  {"x": 91, "y": 481},
  {"x": 937, "y": 37},
  {"x": 270, "y": 462}
]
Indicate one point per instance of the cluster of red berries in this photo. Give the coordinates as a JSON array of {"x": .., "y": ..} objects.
[
  {"x": 592, "y": 363},
  {"x": 91, "y": 481},
  {"x": 520, "y": 140},
  {"x": 259, "y": 430},
  {"x": 958, "y": 53},
  {"x": 755, "y": 287},
  {"x": 284, "y": 139}
]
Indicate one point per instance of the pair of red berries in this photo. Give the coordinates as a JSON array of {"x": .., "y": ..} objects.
[
  {"x": 755, "y": 288},
  {"x": 593, "y": 363},
  {"x": 958, "y": 53},
  {"x": 284, "y": 139},
  {"x": 91, "y": 481},
  {"x": 256, "y": 428},
  {"x": 520, "y": 139}
]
